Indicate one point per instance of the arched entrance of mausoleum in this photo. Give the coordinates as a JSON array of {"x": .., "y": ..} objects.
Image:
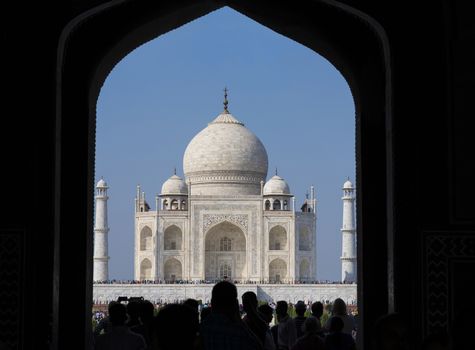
[{"x": 225, "y": 253}]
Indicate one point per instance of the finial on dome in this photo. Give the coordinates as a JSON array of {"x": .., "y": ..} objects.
[
  {"x": 276, "y": 171},
  {"x": 174, "y": 171},
  {"x": 226, "y": 100}
]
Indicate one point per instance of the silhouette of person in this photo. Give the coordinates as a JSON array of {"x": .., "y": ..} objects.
[
  {"x": 145, "y": 328},
  {"x": 104, "y": 325},
  {"x": 339, "y": 310},
  {"x": 337, "y": 339},
  {"x": 317, "y": 312},
  {"x": 205, "y": 312},
  {"x": 299, "y": 320},
  {"x": 176, "y": 327},
  {"x": 193, "y": 305},
  {"x": 267, "y": 314},
  {"x": 286, "y": 330},
  {"x": 224, "y": 329},
  {"x": 252, "y": 319},
  {"x": 119, "y": 337},
  {"x": 310, "y": 339},
  {"x": 133, "y": 310}
]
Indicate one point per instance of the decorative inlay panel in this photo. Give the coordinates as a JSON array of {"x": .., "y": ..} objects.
[
  {"x": 440, "y": 250},
  {"x": 225, "y": 176},
  {"x": 212, "y": 219}
]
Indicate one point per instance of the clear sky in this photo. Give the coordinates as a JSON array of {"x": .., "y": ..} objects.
[{"x": 163, "y": 93}]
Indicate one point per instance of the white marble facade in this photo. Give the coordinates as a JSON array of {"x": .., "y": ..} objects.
[
  {"x": 223, "y": 220},
  {"x": 170, "y": 293}
]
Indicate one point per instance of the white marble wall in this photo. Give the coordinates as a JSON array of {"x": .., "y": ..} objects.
[{"x": 104, "y": 293}]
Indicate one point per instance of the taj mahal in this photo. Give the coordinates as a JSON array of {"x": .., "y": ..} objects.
[{"x": 224, "y": 219}]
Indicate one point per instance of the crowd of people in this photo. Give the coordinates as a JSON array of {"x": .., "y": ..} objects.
[
  {"x": 224, "y": 324},
  {"x": 179, "y": 281}
]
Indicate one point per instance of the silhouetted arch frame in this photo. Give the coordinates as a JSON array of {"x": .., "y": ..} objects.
[{"x": 95, "y": 41}]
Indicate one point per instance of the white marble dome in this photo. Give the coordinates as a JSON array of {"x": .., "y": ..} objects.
[
  {"x": 225, "y": 152},
  {"x": 348, "y": 185},
  {"x": 174, "y": 186},
  {"x": 276, "y": 186},
  {"x": 101, "y": 183}
]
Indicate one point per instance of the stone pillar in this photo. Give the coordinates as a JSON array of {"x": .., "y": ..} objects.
[
  {"x": 101, "y": 230},
  {"x": 348, "y": 230}
]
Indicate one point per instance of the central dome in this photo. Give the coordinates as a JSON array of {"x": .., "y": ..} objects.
[{"x": 225, "y": 152}]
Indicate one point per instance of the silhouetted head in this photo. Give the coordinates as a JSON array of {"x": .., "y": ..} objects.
[
  {"x": 281, "y": 308},
  {"x": 191, "y": 303},
  {"x": 336, "y": 324},
  {"x": 117, "y": 314},
  {"x": 175, "y": 327},
  {"x": 134, "y": 309},
  {"x": 317, "y": 309},
  {"x": 249, "y": 301},
  {"x": 300, "y": 308},
  {"x": 390, "y": 333},
  {"x": 224, "y": 299},
  {"x": 205, "y": 312},
  {"x": 146, "y": 311},
  {"x": 339, "y": 307},
  {"x": 310, "y": 325},
  {"x": 267, "y": 312}
]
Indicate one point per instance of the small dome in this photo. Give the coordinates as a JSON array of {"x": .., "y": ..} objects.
[
  {"x": 101, "y": 183},
  {"x": 276, "y": 185},
  {"x": 174, "y": 186},
  {"x": 348, "y": 185}
]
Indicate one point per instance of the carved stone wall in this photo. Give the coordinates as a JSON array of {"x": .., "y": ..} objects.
[{"x": 443, "y": 252}]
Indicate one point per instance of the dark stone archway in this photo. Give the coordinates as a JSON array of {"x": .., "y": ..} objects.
[
  {"x": 349, "y": 39},
  {"x": 56, "y": 55}
]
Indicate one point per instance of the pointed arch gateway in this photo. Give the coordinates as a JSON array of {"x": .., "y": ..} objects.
[
  {"x": 173, "y": 270},
  {"x": 277, "y": 270},
  {"x": 371, "y": 86},
  {"x": 225, "y": 252},
  {"x": 145, "y": 270},
  {"x": 146, "y": 238},
  {"x": 173, "y": 238},
  {"x": 278, "y": 238}
]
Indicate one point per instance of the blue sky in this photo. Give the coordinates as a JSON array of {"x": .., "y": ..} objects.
[{"x": 163, "y": 93}]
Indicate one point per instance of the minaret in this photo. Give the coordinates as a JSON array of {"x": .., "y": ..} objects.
[
  {"x": 101, "y": 230},
  {"x": 348, "y": 230}
]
